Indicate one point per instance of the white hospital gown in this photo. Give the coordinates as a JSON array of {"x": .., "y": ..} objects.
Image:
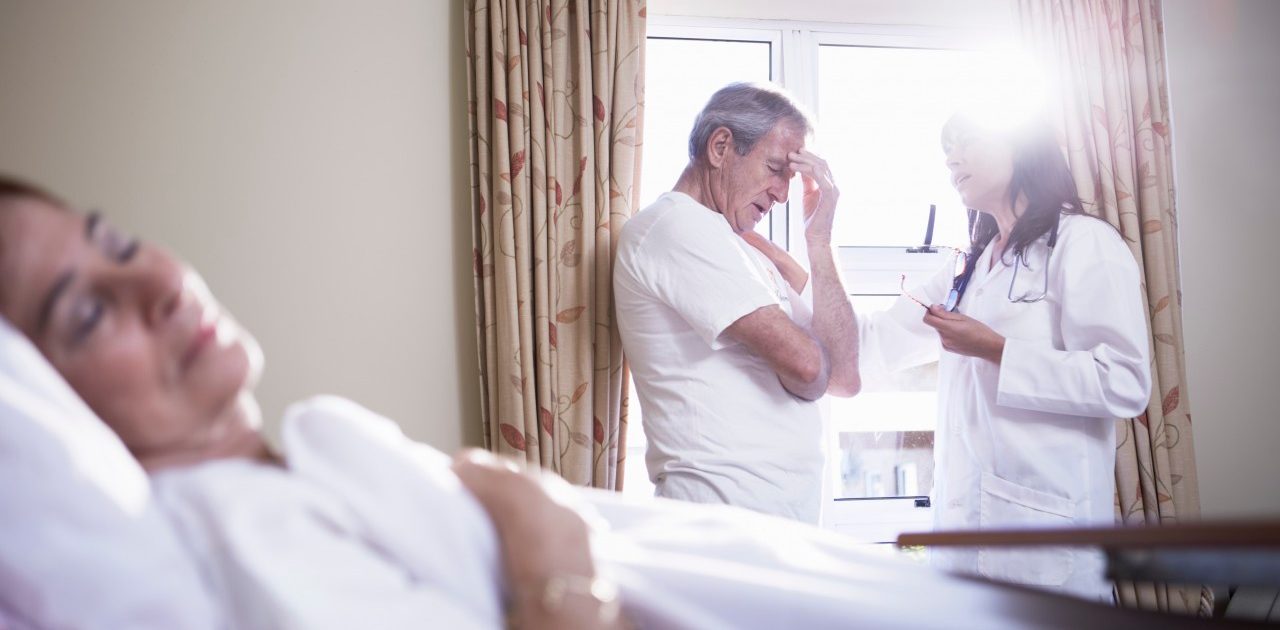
[{"x": 364, "y": 528}]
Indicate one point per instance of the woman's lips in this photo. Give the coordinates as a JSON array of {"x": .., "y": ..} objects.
[{"x": 203, "y": 336}]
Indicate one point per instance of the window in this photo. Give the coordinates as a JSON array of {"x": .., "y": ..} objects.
[{"x": 880, "y": 96}]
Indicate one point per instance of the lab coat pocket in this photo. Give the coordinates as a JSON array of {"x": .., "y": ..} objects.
[{"x": 1004, "y": 505}]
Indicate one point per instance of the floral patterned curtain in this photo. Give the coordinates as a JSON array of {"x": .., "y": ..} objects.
[
  {"x": 556, "y": 98},
  {"x": 1108, "y": 58}
]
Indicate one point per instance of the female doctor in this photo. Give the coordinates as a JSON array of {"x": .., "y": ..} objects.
[{"x": 1042, "y": 343}]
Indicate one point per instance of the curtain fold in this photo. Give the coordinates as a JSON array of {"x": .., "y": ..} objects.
[
  {"x": 556, "y": 100},
  {"x": 1112, "y": 103}
]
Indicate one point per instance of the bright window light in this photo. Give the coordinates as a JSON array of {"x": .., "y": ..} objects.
[
  {"x": 881, "y": 111},
  {"x": 680, "y": 76}
]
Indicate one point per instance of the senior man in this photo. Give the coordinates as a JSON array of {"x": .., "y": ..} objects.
[{"x": 730, "y": 342}]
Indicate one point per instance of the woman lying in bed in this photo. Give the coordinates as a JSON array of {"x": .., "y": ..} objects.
[
  {"x": 352, "y": 525},
  {"x": 137, "y": 334}
]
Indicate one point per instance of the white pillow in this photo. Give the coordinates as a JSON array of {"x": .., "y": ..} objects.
[{"x": 81, "y": 543}]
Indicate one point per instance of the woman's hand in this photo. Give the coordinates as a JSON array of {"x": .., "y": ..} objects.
[
  {"x": 791, "y": 271},
  {"x": 543, "y": 540},
  {"x": 820, "y": 195},
  {"x": 965, "y": 335},
  {"x": 540, "y": 536}
]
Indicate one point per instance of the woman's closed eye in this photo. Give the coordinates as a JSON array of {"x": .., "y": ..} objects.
[
  {"x": 127, "y": 253},
  {"x": 119, "y": 246},
  {"x": 85, "y": 314}
]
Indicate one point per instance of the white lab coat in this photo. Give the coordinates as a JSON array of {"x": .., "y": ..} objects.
[{"x": 1031, "y": 442}]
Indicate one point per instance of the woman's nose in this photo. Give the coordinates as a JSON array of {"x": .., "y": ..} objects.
[
  {"x": 952, "y": 158},
  {"x": 157, "y": 283}
]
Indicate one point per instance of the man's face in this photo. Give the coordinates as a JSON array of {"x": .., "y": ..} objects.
[
  {"x": 748, "y": 186},
  {"x": 132, "y": 329}
]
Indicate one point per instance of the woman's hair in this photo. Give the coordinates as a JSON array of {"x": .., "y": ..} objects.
[
  {"x": 1040, "y": 175},
  {"x": 15, "y": 189},
  {"x": 12, "y": 188},
  {"x": 748, "y": 111}
]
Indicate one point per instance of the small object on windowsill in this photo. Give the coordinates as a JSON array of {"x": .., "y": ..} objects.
[{"x": 928, "y": 247}]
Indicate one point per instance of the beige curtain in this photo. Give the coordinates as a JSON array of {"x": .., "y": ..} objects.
[
  {"x": 556, "y": 96},
  {"x": 1108, "y": 59}
]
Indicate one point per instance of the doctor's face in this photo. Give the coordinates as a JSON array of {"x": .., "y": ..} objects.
[
  {"x": 132, "y": 329},
  {"x": 981, "y": 165},
  {"x": 746, "y": 187}
]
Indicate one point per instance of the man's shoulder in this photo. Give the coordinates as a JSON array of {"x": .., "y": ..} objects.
[{"x": 672, "y": 218}]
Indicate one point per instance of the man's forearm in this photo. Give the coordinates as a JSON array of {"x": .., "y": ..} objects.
[
  {"x": 834, "y": 322},
  {"x": 817, "y": 385}
]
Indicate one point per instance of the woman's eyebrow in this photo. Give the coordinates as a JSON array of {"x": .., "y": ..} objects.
[{"x": 91, "y": 224}]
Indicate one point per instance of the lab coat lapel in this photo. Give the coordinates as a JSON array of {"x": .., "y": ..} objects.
[{"x": 975, "y": 297}]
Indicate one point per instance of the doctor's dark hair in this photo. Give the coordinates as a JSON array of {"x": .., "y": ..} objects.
[
  {"x": 749, "y": 111},
  {"x": 1040, "y": 174}
]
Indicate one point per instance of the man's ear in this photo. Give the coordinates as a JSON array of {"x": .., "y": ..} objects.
[{"x": 718, "y": 146}]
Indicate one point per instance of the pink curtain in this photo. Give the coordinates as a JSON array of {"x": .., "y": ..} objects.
[
  {"x": 556, "y": 98},
  {"x": 1113, "y": 109}
]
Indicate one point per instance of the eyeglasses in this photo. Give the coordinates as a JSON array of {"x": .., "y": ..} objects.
[{"x": 963, "y": 271}]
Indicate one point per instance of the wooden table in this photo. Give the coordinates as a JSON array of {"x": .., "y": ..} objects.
[{"x": 1205, "y": 552}]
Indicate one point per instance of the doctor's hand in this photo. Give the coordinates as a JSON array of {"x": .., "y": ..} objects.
[
  {"x": 820, "y": 195},
  {"x": 792, "y": 271},
  {"x": 965, "y": 335}
]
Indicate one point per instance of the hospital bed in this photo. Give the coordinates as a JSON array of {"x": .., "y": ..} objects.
[{"x": 82, "y": 545}]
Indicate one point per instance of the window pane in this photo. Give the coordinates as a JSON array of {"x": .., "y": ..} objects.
[
  {"x": 881, "y": 112},
  {"x": 680, "y": 75},
  {"x": 885, "y": 464},
  {"x": 885, "y": 433}
]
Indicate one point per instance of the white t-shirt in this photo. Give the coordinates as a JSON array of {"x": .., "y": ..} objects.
[{"x": 720, "y": 426}]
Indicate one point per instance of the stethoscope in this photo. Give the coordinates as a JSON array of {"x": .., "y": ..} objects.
[
  {"x": 1020, "y": 261},
  {"x": 961, "y": 281}
]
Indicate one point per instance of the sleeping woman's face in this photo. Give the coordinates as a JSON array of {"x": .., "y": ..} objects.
[{"x": 132, "y": 329}]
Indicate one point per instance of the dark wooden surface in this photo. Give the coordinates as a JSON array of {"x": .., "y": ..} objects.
[{"x": 1200, "y": 535}]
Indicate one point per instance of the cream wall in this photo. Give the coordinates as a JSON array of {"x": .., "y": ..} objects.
[
  {"x": 308, "y": 157},
  {"x": 1224, "y": 86}
]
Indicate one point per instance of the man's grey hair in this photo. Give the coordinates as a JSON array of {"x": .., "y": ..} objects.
[{"x": 748, "y": 111}]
